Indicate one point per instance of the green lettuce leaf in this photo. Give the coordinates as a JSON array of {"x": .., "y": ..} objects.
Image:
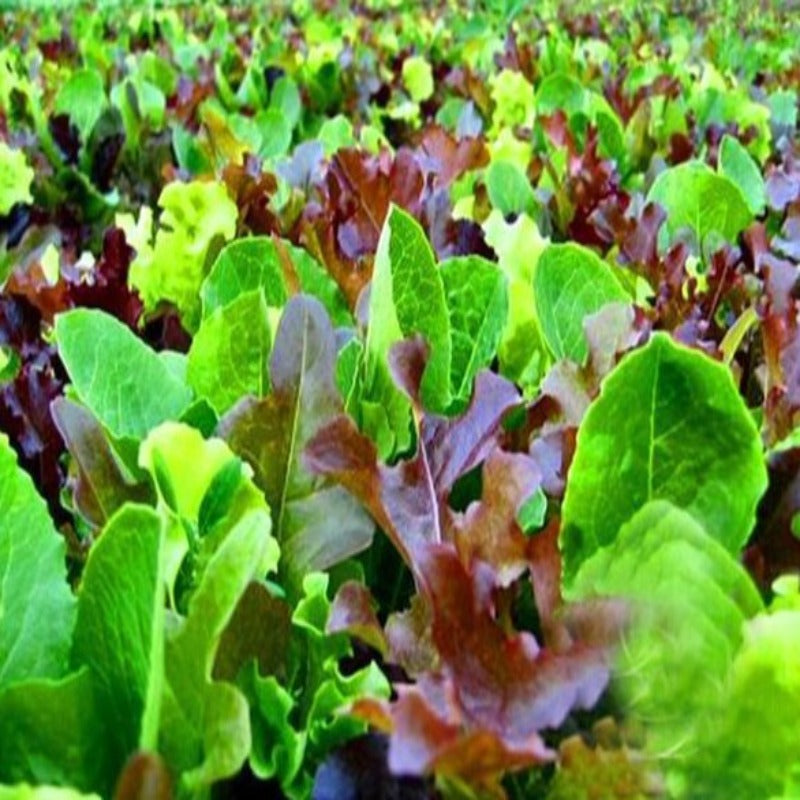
[
  {"x": 696, "y": 197},
  {"x": 272, "y": 266},
  {"x": 83, "y": 97},
  {"x": 119, "y": 635},
  {"x": 16, "y": 178},
  {"x": 205, "y": 724},
  {"x": 690, "y": 599},
  {"x": 37, "y": 610},
  {"x": 126, "y": 385},
  {"x": 196, "y": 217},
  {"x": 737, "y": 164},
  {"x": 230, "y": 351},
  {"x": 570, "y": 283},
  {"x": 37, "y": 717},
  {"x": 199, "y": 506},
  {"x": 522, "y": 353},
  {"x": 295, "y": 727},
  {"x": 749, "y": 746},
  {"x": 477, "y": 302},
  {"x": 668, "y": 424},
  {"x": 407, "y": 297}
]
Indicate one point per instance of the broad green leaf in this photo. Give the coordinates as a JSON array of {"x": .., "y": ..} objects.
[
  {"x": 83, "y": 98},
  {"x": 477, "y": 301},
  {"x": 229, "y": 353},
  {"x": 217, "y": 482},
  {"x": 509, "y": 189},
  {"x": 285, "y": 97},
  {"x": 119, "y": 635},
  {"x": 696, "y": 197},
  {"x": 121, "y": 380},
  {"x": 242, "y": 266},
  {"x": 407, "y": 297},
  {"x": 418, "y": 78},
  {"x": 569, "y": 283},
  {"x": 316, "y": 523},
  {"x": 668, "y": 424},
  {"x": 523, "y": 355},
  {"x": 336, "y": 133},
  {"x": 205, "y": 724},
  {"x": 748, "y": 746},
  {"x": 560, "y": 92},
  {"x": 47, "y": 732},
  {"x": 37, "y": 609},
  {"x": 275, "y": 132},
  {"x": 260, "y": 262},
  {"x": 689, "y": 598},
  {"x": 16, "y": 178},
  {"x": 737, "y": 164},
  {"x": 195, "y": 218}
]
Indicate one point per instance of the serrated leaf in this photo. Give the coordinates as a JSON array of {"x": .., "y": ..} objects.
[
  {"x": 195, "y": 217},
  {"x": 205, "y": 728}
]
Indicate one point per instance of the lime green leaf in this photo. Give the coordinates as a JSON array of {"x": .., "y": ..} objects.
[
  {"x": 229, "y": 354},
  {"x": 258, "y": 263},
  {"x": 570, "y": 283},
  {"x": 669, "y": 424},
  {"x": 293, "y": 730},
  {"x": 195, "y": 218},
  {"x": 285, "y": 98},
  {"x": 83, "y": 98},
  {"x": 36, "y": 607},
  {"x": 690, "y": 599},
  {"x": 122, "y": 381},
  {"x": 736, "y": 164},
  {"x": 418, "y": 78},
  {"x": 184, "y": 496},
  {"x": 25, "y": 792},
  {"x": 513, "y": 98},
  {"x": 560, "y": 92},
  {"x": 509, "y": 189},
  {"x": 522, "y": 353},
  {"x": 37, "y": 717},
  {"x": 205, "y": 724},
  {"x": 119, "y": 635},
  {"x": 336, "y": 133},
  {"x": 477, "y": 301},
  {"x": 697, "y": 198},
  {"x": 749, "y": 745},
  {"x": 16, "y": 178},
  {"x": 407, "y": 297}
]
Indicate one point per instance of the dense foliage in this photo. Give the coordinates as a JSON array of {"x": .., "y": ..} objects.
[{"x": 400, "y": 401}]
